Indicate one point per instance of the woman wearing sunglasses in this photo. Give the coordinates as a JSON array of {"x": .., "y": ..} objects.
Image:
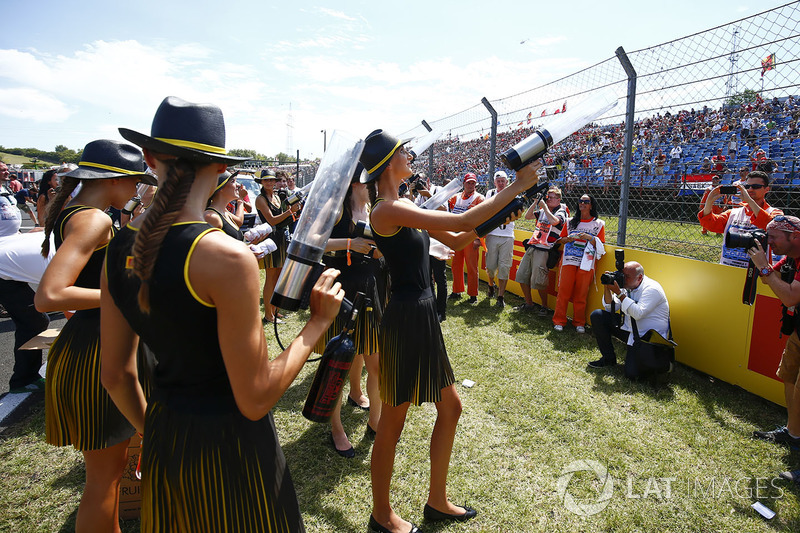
[
  {"x": 756, "y": 213},
  {"x": 579, "y": 237}
]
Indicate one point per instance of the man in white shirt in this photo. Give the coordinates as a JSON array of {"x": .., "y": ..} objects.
[
  {"x": 499, "y": 248},
  {"x": 642, "y": 299}
]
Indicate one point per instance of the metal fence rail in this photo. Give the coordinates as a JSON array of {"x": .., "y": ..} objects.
[{"x": 735, "y": 82}]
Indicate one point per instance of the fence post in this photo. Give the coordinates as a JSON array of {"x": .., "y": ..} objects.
[
  {"x": 626, "y": 167},
  {"x": 431, "y": 173},
  {"x": 493, "y": 146}
]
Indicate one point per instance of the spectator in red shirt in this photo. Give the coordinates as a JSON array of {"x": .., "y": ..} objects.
[{"x": 719, "y": 162}]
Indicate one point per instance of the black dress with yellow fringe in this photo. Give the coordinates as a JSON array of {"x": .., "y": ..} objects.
[
  {"x": 413, "y": 359},
  {"x": 78, "y": 410},
  {"x": 279, "y": 235},
  {"x": 363, "y": 274},
  {"x": 205, "y": 467}
]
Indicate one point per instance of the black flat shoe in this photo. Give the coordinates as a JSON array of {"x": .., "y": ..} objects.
[
  {"x": 351, "y": 401},
  {"x": 375, "y": 526},
  {"x": 432, "y": 514},
  {"x": 349, "y": 453}
]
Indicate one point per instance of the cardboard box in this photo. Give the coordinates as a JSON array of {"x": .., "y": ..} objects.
[{"x": 130, "y": 490}]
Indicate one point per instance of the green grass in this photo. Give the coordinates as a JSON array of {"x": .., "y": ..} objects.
[
  {"x": 534, "y": 409},
  {"x": 13, "y": 159}
]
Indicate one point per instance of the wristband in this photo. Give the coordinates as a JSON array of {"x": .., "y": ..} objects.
[
  {"x": 348, "y": 253},
  {"x": 766, "y": 271}
]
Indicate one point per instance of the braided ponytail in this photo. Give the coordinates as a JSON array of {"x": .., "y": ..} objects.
[
  {"x": 54, "y": 209},
  {"x": 161, "y": 215}
]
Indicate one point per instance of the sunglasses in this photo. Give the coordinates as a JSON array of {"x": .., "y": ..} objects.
[
  {"x": 584, "y": 201},
  {"x": 754, "y": 186},
  {"x": 784, "y": 218}
]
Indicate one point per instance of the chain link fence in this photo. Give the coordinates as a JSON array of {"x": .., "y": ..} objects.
[{"x": 711, "y": 103}]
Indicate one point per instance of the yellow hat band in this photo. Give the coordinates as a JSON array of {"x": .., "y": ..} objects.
[
  {"x": 107, "y": 167},
  {"x": 385, "y": 159},
  {"x": 194, "y": 145}
]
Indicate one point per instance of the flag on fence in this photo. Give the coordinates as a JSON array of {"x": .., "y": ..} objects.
[
  {"x": 520, "y": 124},
  {"x": 544, "y": 112},
  {"x": 564, "y": 107},
  {"x": 695, "y": 184},
  {"x": 767, "y": 64},
  {"x": 557, "y": 111},
  {"x": 529, "y": 116}
]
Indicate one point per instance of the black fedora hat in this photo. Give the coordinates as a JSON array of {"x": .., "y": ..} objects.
[
  {"x": 104, "y": 159},
  {"x": 266, "y": 174},
  {"x": 184, "y": 129},
  {"x": 222, "y": 180},
  {"x": 379, "y": 147}
]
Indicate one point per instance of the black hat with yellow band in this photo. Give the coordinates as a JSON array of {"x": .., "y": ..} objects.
[
  {"x": 379, "y": 147},
  {"x": 105, "y": 159},
  {"x": 184, "y": 129}
]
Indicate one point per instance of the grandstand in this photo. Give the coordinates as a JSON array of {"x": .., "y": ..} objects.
[{"x": 679, "y": 93}]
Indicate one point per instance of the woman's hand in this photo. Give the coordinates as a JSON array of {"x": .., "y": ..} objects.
[
  {"x": 361, "y": 245},
  {"x": 326, "y": 296},
  {"x": 528, "y": 176}
]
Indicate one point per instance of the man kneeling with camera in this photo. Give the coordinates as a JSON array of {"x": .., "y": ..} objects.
[
  {"x": 637, "y": 297},
  {"x": 783, "y": 235}
]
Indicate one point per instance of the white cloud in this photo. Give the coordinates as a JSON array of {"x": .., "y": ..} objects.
[
  {"x": 31, "y": 104},
  {"x": 335, "y": 14}
]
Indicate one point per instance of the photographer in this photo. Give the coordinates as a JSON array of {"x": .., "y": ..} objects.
[
  {"x": 783, "y": 237},
  {"x": 640, "y": 298},
  {"x": 755, "y": 213}
]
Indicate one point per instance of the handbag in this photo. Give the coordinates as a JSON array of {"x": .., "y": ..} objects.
[
  {"x": 650, "y": 354},
  {"x": 553, "y": 256}
]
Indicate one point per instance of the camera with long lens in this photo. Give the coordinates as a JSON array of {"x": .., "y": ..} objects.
[
  {"x": 618, "y": 277},
  {"x": 410, "y": 183},
  {"x": 746, "y": 239}
]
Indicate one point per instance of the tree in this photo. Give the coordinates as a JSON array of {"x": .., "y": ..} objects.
[
  {"x": 744, "y": 97},
  {"x": 243, "y": 152},
  {"x": 284, "y": 158}
]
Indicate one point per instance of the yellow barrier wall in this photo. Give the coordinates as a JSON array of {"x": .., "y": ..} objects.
[{"x": 709, "y": 322}]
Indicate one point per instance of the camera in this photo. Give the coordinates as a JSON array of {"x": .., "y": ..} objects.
[
  {"x": 746, "y": 239},
  {"x": 618, "y": 277},
  {"x": 729, "y": 189}
]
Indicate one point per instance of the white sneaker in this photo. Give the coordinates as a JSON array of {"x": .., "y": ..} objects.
[
  {"x": 580, "y": 329},
  {"x": 558, "y": 327}
]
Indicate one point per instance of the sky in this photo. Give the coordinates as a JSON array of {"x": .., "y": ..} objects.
[{"x": 71, "y": 72}]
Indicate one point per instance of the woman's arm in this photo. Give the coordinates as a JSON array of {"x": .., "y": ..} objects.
[
  {"x": 257, "y": 382},
  {"x": 273, "y": 220},
  {"x": 389, "y": 215},
  {"x": 86, "y": 231},
  {"x": 118, "y": 370},
  {"x": 213, "y": 218},
  {"x": 238, "y": 216}
]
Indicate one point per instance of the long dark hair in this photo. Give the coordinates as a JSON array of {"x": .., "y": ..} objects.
[
  {"x": 576, "y": 219},
  {"x": 44, "y": 183}
]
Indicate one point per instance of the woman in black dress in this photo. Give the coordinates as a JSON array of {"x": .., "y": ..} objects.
[
  {"x": 78, "y": 410},
  {"x": 362, "y": 269},
  {"x": 274, "y": 212},
  {"x": 211, "y": 460},
  {"x": 217, "y": 214},
  {"x": 413, "y": 361}
]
